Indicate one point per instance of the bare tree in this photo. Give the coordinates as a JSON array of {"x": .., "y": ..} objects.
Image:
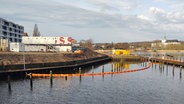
[{"x": 87, "y": 43}]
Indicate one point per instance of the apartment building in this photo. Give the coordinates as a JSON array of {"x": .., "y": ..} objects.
[{"x": 10, "y": 32}]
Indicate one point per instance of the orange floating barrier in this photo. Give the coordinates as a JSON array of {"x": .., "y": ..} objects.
[{"x": 89, "y": 74}]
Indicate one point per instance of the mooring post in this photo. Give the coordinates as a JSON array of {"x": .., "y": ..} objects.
[
  {"x": 65, "y": 77},
  {"x": 103, "y": 69},
  {"x": 31, "y": 81},
  {"x": 30, "y": 75},
  {"x": 167, "y": 70},
  {"x": 163, "y": 66},
  {"x": 80, "y": 72},
  {"x": 173, "y": 66},
  {"x": 111, "y": 66},
  {"x": 159, "y": 65},
  {"x": 9, "y": 82},
  {"x": 180, "y": 70},
  {"x": 173, "y": 69},
  {"x": 51, "y": 77}
]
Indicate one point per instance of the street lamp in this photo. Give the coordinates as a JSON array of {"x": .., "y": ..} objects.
[{"x": 23, "y": 47}]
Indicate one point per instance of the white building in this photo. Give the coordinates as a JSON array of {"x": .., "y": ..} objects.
[
  {"x": 16, "y": 47},
  {"x": 58, "y": 44},
  {"x": 163, "y": 43},
  {"x": 9, "y": 32},
  {"x": 168, "y": 42}
]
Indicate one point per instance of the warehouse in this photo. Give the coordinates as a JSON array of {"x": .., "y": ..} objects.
[{"x": 45, "y": 44}]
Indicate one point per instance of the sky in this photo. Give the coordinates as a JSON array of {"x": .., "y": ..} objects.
[{"x": 99, "y": 20}]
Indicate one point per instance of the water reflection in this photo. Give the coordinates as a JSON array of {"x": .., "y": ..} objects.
[
  {"x": 174, "y": 71},
  {"x": 118, "y": 66}
]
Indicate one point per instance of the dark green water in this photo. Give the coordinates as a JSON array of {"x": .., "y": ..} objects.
[{"x": 151, "y": 86}]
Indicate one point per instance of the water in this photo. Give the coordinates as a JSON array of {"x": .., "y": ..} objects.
[{"x": 151, "y": 86}]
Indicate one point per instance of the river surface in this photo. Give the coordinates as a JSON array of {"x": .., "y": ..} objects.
[{"x": 150, "y": 86}]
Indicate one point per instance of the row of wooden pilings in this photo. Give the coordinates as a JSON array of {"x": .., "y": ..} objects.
[
  {"x": 172, "y": 63},
  {"x": 50, "y": 76}
]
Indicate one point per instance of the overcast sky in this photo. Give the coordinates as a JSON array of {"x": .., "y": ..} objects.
[{"x": 99, "y": 20}]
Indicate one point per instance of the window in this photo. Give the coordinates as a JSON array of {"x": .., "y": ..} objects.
[
  {"x": 14, "y": 25},
  {"x": 6, "y": 23},
  {"x": 4, "y": 33},
  {"x": 4, "y": 27},
  {"x": 10, "y": 29},
  {"x": 11, "y": 39}
]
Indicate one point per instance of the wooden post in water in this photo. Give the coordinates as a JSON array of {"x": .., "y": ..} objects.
[
  {"x": 173, "y": 69},
  {"x": 31, "y": 81},
  {"x": 102, "y": 69},
  {"x": 51, "y": 78},
  {"x": 111, "y": 66},
  {"x": 167, "y": 70},
  {"x": 173, "y": 66},
  {"x": 65, "y": 77},
  {"x": 80, "y": 72},
  {"x": 163, "y": 66},
  {"x": 160, "y": 66},
  {"x": 92, "y": 69},
  {"x": 9, "y": 82},
  {"x": 180, "y": 71}
]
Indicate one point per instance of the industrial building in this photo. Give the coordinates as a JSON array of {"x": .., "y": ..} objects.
[
  {"x": 43, "y": 44},
  {"x": 9, "y": 32}
]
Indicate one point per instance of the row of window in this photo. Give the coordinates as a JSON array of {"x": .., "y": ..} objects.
[
  {"x": 11, "y": 35},
  {"x": 9, "y": 24},
  {"x": 6, "y": 32},
  {"x": 11, "y": 29},
  {"x": 13, "y": 39}
]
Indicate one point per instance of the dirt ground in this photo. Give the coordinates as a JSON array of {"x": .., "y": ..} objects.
[{"x": 7, "y": 58}]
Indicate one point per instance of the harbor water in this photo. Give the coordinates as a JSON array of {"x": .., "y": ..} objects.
[{"x": 154, "y": 85}]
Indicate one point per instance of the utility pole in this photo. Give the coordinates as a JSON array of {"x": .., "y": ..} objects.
[{"x": 24, "y": 60}]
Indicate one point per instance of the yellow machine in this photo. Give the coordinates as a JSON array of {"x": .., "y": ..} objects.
[{"x": 120, "y": 52}]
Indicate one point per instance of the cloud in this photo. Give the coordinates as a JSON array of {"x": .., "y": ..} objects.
[{"x": 101, "y": 20}]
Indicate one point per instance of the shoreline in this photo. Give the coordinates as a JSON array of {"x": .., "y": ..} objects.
[{"x": 12, "y": 62}]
